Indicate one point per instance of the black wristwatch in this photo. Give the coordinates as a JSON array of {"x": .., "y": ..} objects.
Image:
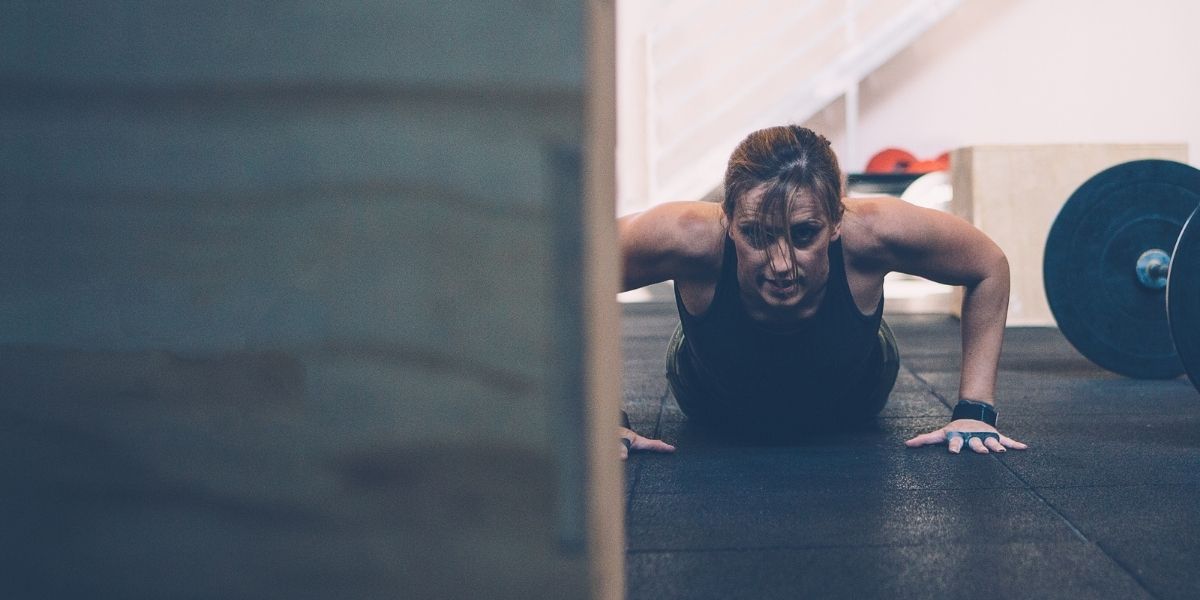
[{"x": 971, "y": 409}]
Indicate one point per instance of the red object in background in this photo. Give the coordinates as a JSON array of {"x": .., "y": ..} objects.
[
  {"x": 890, "y": 160},
  {"x": 895, "y": 160}
]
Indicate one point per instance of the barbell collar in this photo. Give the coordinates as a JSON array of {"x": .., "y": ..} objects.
[{"x": 1152, "y": 268}]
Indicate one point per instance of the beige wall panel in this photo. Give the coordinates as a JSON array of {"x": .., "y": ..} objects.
[{"x": 1013, "y": 193}]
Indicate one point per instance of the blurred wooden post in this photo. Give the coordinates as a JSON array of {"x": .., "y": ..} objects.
[
  {"x": 606, "y": 508},
  {"x": 308, "y": 300}
]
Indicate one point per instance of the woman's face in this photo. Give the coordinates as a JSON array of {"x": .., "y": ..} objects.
[{"x": 782, "y": 278}]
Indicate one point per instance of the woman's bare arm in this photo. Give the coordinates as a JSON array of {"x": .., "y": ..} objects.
[
  {"x": 675, "y": 240},
  {"x": 947, "y": 249}
]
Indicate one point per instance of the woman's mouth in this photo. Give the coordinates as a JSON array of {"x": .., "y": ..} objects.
[{"x": 782, "y": 286}]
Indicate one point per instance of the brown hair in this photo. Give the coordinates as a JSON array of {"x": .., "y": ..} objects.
[{"x": 785, "y": 161}]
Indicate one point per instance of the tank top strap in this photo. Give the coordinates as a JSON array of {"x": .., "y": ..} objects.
[
  {"x": 839, "y": 285},
  {"x": 725, "y": 293}
]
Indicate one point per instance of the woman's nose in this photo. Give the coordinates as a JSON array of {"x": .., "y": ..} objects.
[{"x": 781, "y": 257}]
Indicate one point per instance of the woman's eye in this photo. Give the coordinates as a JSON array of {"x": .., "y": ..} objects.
[{"x": 802, "y": 236}]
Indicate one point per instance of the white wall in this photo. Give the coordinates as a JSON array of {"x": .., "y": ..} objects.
[
  {"x": 634, "y": 19},
  {"x": 993, "y": 72},
  {"x": 1035, "y": 71}
]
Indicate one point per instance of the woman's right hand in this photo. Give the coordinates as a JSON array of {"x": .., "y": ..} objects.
[{"x": 630, "y": 440}]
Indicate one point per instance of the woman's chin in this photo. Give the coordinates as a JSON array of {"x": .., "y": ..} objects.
[{"x": 776, "y": 296}]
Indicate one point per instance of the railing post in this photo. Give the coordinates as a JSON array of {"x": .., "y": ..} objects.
[
  {"x": 648, "y": 135},
  {"x": 850, "y": 160}
]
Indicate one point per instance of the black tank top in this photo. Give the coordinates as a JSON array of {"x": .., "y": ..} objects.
[{"x": 827, "y": 360}]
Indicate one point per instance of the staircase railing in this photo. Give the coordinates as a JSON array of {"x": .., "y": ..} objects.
[{"x": 717, "y": 70}]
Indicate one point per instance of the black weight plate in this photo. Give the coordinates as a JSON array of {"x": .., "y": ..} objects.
[
  {"x": 1183, "y": 297},
  {"x": 1091, "y": 257}
]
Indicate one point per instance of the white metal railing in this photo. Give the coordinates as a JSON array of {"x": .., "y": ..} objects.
[{"x": 717, "y": 70}]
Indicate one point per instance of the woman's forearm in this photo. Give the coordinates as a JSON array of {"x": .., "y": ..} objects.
[{"x": 984, "y": 312}]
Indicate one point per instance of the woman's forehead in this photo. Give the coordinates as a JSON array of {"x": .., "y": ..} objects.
[{"x": 803, "y": 205}]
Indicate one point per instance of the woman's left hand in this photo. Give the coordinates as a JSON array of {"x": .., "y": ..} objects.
[{"x": 979, "y": 436}]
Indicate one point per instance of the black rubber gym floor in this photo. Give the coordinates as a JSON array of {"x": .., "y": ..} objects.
[{"x": 1104, "y": 504}]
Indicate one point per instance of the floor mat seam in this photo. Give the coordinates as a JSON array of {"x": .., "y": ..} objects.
[
  {"x": 1074, "y": 528},
  {"x": 662, "y": 401},
  {"x": 928, "y": 385},
  {"x": 1132, "y": 573}
]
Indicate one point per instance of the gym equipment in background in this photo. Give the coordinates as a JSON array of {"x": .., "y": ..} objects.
[
  {"x": 896, "y": 160},
  {"x": 1120, "y": 269}
]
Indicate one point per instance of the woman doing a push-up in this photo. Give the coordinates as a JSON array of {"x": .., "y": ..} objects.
[{"x": 780, "y": 296}]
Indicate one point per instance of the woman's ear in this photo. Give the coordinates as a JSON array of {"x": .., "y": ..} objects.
[{"x": 837, "y": 232}]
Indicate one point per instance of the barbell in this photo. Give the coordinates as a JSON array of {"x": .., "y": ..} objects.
[{"x": 1121, "y": 270}]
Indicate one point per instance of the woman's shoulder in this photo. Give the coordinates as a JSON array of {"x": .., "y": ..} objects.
[
  {"x": 894, "y": 233},
  {"x": 689, "y": 229},
  {"x": 673, "y": 240},
  {"x": 876, "y": 230},
  {"x": 866, "y": 226}
]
